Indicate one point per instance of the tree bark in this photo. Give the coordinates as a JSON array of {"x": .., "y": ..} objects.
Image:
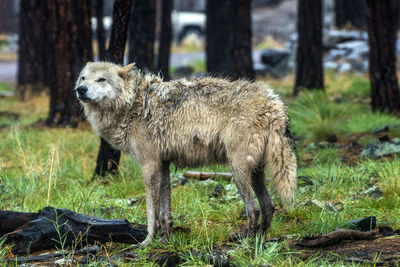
[
  {"x": 69, "y": 49},
  {"x": 32, "y": 49},
  {"x": 165, "y": 39},
  {"x": 309, "y": 72},
  {"x": 382, "y": 26},
  {"x": 228, "y": 32},
  {"x": 142, "y": 33},
  {"x": 108, "y": 157},
  {"x": 101, "y": 39},
  {"x": 241, "y": 58},
  {"x": 219, "y": 35},
  {"x": 350, "y": 12}
]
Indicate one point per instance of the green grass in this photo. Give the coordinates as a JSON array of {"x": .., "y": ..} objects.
[{"x": 40, "y": 167}]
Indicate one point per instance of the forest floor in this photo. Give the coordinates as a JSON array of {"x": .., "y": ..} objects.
[{"x": 53, "y": 167}]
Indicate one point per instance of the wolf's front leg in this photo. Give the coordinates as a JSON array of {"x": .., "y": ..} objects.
[{"x": 151, "y": 175}]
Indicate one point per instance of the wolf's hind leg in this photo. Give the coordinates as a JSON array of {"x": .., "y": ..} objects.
[
  {"x": 242, "y": 176},
  {"x": 266, "y": 205},
  {"x": 165, "y": 201}
]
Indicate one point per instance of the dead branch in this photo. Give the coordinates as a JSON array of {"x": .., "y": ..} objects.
[
  {"x": 53, "y": 228},
  {"x": 207, "y": 175},
  {"x": 335, "y": 237}
]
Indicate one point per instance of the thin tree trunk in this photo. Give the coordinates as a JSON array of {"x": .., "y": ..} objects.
[
  {"x": 108, "y": 157},
  {"x": 165, "y": 39},
  {"x": 101, "y": 41},
  {"x": 382, "y": 26},
  {"x": 241, "y": 61},
  {"x": 142, "y": 33},
  {"x": 31, "y": 65},
  {"x": 309, "y": 72},
  {"x": 228, "y": 31},
  {"x": 219, "y": 35}
]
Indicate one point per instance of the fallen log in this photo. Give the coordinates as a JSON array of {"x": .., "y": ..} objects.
[
  {"x": 335, "y": 237},
  {"x": 207, "y": 175},
  {"x": 62, "y": 228},
  {"x": 10, "y": 220}
]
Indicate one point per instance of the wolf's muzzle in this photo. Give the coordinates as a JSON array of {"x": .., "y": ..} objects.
[{"x": 82, "y": 92}]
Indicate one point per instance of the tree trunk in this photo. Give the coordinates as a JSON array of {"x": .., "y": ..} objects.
[
  {"x": 142, "y": 33},
  {"x": 8, "y": 21},
  {"x": 228, "y": 32},
  {"x": 350, "y": 12},
  {"x": 101, "y": 39},
  {"x": 219, "y": 35},
  {"x": 32, "y": 49},
  {"x": 165, "y": 39},
  {"x": 69, "y": 49},
  {"x": 241, "y": 58},
  {"x": 382, "y": 27},
  {"x": 309, "y": 72},
  {"x": 108, "y": 157}
]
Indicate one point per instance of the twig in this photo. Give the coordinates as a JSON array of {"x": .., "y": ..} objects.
[
  {"x": 336, "y": 237},
  {"x": 207, "y": 175}
]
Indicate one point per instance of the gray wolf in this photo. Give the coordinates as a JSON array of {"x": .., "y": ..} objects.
[{"x": 192, "y": 123}]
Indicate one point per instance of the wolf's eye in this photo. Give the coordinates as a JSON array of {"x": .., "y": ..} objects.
[
  {"x": 83, "y": 78},
  {"x": 101, "y": 80}
]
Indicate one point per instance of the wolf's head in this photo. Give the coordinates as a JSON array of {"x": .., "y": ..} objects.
[{"x": 102, "y": 83}]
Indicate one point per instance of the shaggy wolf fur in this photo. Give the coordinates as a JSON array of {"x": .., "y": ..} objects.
[{"x": 192, "y": 123}]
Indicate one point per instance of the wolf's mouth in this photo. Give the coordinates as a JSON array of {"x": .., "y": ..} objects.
[{"x": 84, "y": 99}]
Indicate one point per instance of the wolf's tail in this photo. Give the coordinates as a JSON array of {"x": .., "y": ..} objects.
[{"x": 281, "y": 163}]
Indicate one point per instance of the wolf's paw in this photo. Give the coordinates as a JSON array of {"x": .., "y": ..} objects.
[{"x": 147, "y": 241}]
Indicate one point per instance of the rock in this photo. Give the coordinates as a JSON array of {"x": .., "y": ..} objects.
[
  {"x": 273, "y": 57},
  {"x": 381, "y": 149},
  {"x": 261, "y": 69},
  {"x": 384, "y": 138},
  {"x": 219, "y": 190},
  {"x": 332, "y": 138},
  {"x": 373, "y": 191},
  {"x": 381, "y": 129},
  {"x": 365, "y": 224},
  {"x": 330, "y": 65},
  {"x": 386, "y": 230},
  {"x": 359, "y": 66},
  {"x": 335, "y": 54},
  {"x": 323, "y": 144},
  {"x": 352, "y": 45},
  {"x": 333, "y": 37},
  {"x": 276, "y": 62},
  {"x": 344, "y": 67}
]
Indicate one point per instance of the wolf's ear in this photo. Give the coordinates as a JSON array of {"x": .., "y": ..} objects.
[{"x": 124, "y": 70}]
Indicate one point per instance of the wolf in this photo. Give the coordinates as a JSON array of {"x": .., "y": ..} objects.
[{"x": 193, "y": 123}]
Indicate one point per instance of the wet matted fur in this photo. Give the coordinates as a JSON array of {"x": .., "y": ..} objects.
[{"x": 193, "y": 123}]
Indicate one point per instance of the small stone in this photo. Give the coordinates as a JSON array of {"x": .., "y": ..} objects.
[
  {"x": 219, "y": 190},
  {"x": 332, "y": 138},
  {"x": 384, "y": 138},
  {"x": 374, "y": 191}
]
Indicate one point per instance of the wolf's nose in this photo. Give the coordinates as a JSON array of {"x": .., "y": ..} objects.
[{"x": 82, "y": 90}]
